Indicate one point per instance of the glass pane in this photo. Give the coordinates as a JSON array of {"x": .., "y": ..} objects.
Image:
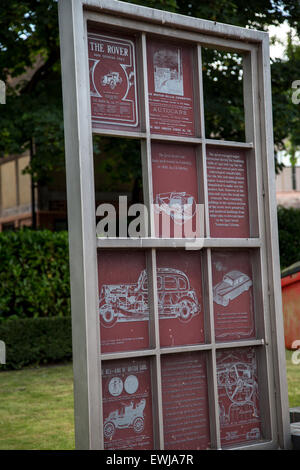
[
  {"x": 170, "y": 83},
  {"x": 123, "y": 303},
  {"x": 223, "y": 95},
  {"x": 239, "y": 412},
  {"x": 113, "y": 80},
  {"x": 127, "y": 405},
  {"x": 118, "y": 185},
  {"x": 185, "y": 401},
  {"x": 227, "y": 193},
  {"x": 180, "y": 306},
  {"x": 233, "y": 295}
]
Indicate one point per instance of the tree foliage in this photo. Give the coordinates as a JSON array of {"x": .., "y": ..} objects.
[
  {"x": 30, "y": 64},
  {"x": 289, "y": 239}
]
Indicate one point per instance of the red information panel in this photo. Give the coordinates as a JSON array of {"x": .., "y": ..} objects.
[
  {"x": 185, "y": 401},
  {"x": 127, "y": 405},
  {"x": 180, "y": 305},
  {"x": 175, "y": 190},
  {"x": 113, "y": 81},
  {"x": 227, "y": 193},
  {"x": 123, "y": 303},
  {"x": 233, "y": 295},
  {"x": 240, "y": 420},
  {"x": 170, "y": 82}
]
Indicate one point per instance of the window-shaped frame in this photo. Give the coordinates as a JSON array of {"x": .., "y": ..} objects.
[{"x": 262, "y": 244}]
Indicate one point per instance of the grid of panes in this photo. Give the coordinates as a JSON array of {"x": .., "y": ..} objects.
[{"x": 182, "y": 331}]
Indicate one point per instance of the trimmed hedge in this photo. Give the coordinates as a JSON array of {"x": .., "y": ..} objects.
[
  {"x": 34, "y": 274},
  {"x": 35, "y": 341},
  {"x": 289, "y": 236}
]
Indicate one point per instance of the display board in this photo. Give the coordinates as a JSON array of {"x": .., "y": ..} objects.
[
  {"x": 175, "y": 189},
  {"x": 177, "y": 335},
  {"x": 170, "y": 84},
  {"x": 185, "y": 402},
  {"x": 232, "y": 278},
  {"x": 123, "y": 301},
  {"x": 227, "y": 193},
  {"x": 127, "y": 405},
  {"x": 238, "y": 388},
  {"x": 113, "y": 81},
  {"x": 179, "y": 297}
]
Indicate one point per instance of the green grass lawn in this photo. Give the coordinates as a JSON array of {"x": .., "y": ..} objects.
[
  {"x": 293, "y": 379},
  {"x": 36, "y": 409},
  {"x": 36, "y": 406}
]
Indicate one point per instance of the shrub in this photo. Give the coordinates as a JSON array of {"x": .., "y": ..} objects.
[
  {"x": 289, "y": 235},
  {"x": 34, "y": 275},
  {"x": 34, "y": 341}
]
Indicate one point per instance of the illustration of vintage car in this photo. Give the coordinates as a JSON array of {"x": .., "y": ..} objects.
[
  {"x": 129, "y": 416},
  {"x": 238, "y": 379},
  {"x": 129, "y": 302},
  {"x": 111, "y": 79},
  {"x": 234, "y": 283},
  {"x": 180, "y": 206}
]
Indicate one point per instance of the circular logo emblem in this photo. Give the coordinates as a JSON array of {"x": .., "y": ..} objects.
[
  {"x": 115, "y": 386},
  {"x": 131, "y": 384}
]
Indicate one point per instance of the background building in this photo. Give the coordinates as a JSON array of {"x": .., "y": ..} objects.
[
  {"x": 21, "y": 204},
  {"x": 288, "y": 187}
]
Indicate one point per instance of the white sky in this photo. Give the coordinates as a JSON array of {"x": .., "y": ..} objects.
[{"x": 280, "y": 32}]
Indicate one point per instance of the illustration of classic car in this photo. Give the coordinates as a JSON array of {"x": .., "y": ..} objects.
[
  {"x": 112, "y": 79},
  {"x": 234, "y": 283},
  {"x": 180, "y": 206},
  {"x": 129, "y": 302},
  {"x": 126, "y": 417},
  {"x": 238, "y": 379}
]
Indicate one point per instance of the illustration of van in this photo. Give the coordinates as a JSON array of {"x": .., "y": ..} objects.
[
  {"x": 126, "y": 417},
  {"x": 112, "y": 79},
  {"x": 180, "y": 206},
  {"x": 234, "y": 283},
  {"x": 129, "y": 302}
]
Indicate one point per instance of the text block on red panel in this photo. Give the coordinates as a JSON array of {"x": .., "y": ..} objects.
[
  {"x": 170, "y": 84},
  {"x": 123, "y": 301},
  {"x": 233, "y": 295},
  {"x": 185, "y": 401},
  {"x": 240, "y": 420},
  {"x": 179, "y": 296},
  {"x": 175, "y": 190},
  {"x": 113, "y": 81},
  {"x": 127, "y": 405},
  {"x": 227, "y": 193}
]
